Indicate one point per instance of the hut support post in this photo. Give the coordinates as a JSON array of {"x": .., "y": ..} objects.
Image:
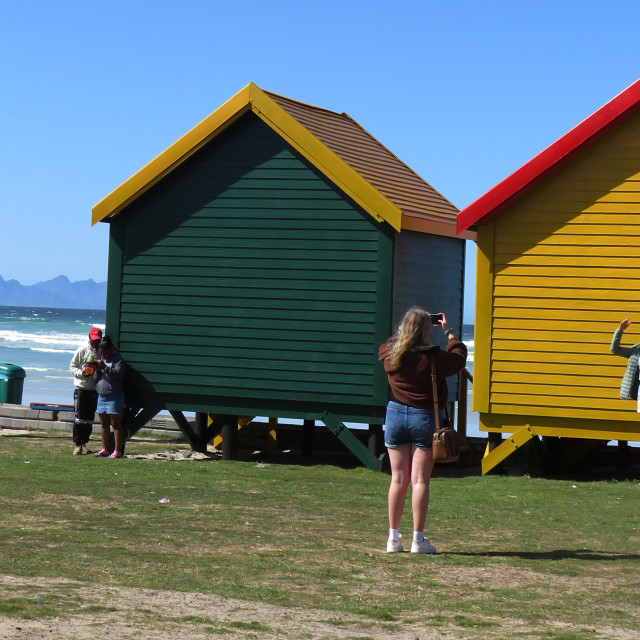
[
  {"x": 230, "y": 438},
  {"x": 184, "y": 426},
  {"x": 272, "y": 435},
  {"x": 352, "y": 443},
  {"x": 463, "y": 443},
  {"x": 135, "y": 419},
  {"x": 375, "y": 441},
  {"x": 308, "y": 429}
]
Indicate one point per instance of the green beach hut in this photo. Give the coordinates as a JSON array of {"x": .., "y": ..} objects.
[{"x": 257, "y": 263}]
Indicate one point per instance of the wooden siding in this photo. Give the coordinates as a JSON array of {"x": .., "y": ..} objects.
[
  {"x": 245, "y": 278},
  {"x": 429, "y": 273},
  {"x": 566, "y": 270}
]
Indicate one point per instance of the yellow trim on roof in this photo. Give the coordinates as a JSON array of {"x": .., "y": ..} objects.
[
  {"x": 254, "y": 99},
  {"x": 172, "y": 157},
  {"x": 328, "y": 162}
]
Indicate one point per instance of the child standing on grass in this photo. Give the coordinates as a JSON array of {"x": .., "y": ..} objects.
[{"x": 109, "y": 377}]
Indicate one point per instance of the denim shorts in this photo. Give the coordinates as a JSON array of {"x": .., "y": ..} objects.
[
  {"x": 405, "y": 425},
  {"x": 112, "y": 404}
]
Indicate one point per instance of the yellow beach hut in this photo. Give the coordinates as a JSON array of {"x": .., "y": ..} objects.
[{"x": 558, "y": 268}]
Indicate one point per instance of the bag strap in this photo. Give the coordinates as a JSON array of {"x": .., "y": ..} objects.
[{"x": 435, "y": 395}]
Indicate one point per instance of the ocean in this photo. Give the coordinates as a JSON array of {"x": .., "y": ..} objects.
[{"x": 42, "y": 342}]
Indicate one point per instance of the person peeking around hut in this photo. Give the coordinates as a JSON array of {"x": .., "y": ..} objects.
[
  {"x": 630, "y": 380},
  {"x": 109, "y": 374},
  {"x": 410, "y": 419}
]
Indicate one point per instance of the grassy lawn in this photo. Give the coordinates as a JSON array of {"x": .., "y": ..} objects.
[{"x": 557, "y": 559}]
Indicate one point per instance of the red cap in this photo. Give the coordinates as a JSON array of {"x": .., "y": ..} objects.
[{"x": 95, "y": 334}]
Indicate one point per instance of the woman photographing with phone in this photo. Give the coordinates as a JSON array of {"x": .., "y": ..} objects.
[{"x": 410, "y": 420}]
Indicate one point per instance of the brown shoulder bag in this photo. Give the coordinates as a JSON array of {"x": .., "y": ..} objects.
[{"x": 445, "y": 438}]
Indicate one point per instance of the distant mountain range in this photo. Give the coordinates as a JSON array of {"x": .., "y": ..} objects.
[{"x": 59, "y": 293}]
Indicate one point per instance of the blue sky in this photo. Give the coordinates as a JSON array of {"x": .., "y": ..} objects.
[{"x": 463, "y": 92}]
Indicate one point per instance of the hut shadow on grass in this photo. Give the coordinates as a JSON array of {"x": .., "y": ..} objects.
[{"x": 555, "y": 554}]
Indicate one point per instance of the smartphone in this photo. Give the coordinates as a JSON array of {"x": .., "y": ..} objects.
[{"x": 436, "y": 318}]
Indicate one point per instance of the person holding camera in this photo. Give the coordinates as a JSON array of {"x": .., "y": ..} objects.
[
  {"x": 85, "y": 396},
  {"x": 410, "y": 419},
  {"x": 630, "y": 380}
]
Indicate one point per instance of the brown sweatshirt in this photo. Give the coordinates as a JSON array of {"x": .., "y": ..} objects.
[{"x": 411, "y": 382}]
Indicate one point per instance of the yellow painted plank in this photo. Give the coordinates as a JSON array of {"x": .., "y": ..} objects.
[
  {"x": 504, "y": 419},
  {"x": 522, "y": 404},
  {"x": 564, "y": 282},
  {"x": 602, "y": 329},
  {"x": 555, "y": 389},
  {"x": 541, "y": 238},
  {"x": 542, "y": 317},
  {"x": 539, "y": 226},
  {"x": 606, "y": 368},
  {"x": 559, "y": 378},
  {"x": 566, "y": 270},
  {"x": 483, "y": 317},
  {"x": 509, "y": 251},
  {"x": 607, "y": 433},
  {"x": 505, "y": 358},
  {"x": 511, "y": 290},
  {"x": 579, "y": 417},
  {"x": 600, "y": 185},
  {"x": 583, "y": 261}
]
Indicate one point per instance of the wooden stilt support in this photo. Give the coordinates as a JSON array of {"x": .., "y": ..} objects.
[
  {"x": 625, "y": 457},
  {"x": 308, "y": 429},
  {"x": 202, "y": 431},
  {"x": 375, "y": 441},
  {"x": 134, "y": 419},
  {"x": 196, "y": 443},
  {"x": 214, "y": 422},
  {"x": 272, "y": 435},
  {"x": 352, "y": 443},
  {"x": 466, "y": 453},
  {"x": 229, "y": 433}
]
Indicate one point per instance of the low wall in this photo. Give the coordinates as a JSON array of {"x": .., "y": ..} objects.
[
  {"x": 252, "y": 436},
  {"x": 15, "y": 416}
]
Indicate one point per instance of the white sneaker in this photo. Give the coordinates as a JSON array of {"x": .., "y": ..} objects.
[
  {"x": 422, "y": 547},
  {"x": 395, "y": 546},
  {"x": 78, "y": 450}
]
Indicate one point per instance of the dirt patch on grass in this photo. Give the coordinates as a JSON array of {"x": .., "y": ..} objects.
[{"x": 84, "y": 612}]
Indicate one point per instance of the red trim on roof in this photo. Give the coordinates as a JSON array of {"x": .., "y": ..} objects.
[{"x": 547, "y": 161}]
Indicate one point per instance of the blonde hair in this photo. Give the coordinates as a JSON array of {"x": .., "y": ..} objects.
[{"x": 413, "y": 332}]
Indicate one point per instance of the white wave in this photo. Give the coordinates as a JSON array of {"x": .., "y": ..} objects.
[
  {"x": 50, "y": 350},
  {"x": 95, "y": 324},
  {"x": 9, "y": 337}
]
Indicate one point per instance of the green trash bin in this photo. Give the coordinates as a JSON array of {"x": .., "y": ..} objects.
[{"x": 11, "y": 383}]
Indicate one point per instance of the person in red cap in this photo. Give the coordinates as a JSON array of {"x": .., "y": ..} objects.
[{"x": 85, "y": 396}]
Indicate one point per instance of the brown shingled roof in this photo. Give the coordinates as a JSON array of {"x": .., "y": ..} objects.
[{"x": 419, "y": 202}]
